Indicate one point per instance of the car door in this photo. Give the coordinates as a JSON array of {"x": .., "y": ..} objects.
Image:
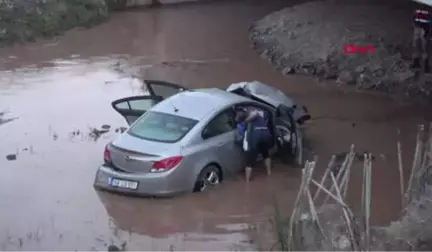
[
  {"x": 163, "y": 88},
  {"x": 219, "y": 135},
  {"x": 288, "y": 128},
  {"x": 131, "y": 108}
]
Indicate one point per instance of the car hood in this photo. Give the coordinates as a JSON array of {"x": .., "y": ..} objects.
[
  {"x": 425, "y": 2},
  {"x": 267, "y": 93},
  {"x": 270, "y": 95}
]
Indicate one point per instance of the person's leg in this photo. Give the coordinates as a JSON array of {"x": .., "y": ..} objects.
[
  {"x": 426, "y": 48},
  {"x": 251, "y": 160},
  {"x": 264, "y": 150},
  {"x": 417, "y": 47}
]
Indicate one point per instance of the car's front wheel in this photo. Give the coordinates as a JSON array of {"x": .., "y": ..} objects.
[{"x": 209, "y": 177}]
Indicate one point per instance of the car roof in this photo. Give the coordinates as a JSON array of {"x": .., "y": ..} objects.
[{"x": 197, "y": 103}]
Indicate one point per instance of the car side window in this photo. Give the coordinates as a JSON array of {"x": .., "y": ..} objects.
[{"x": 222, "y": 123}]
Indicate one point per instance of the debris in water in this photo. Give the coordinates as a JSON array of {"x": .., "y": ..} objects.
[
  {"x": 106, "y": 127},
  {"x": 340, "y": 157},
  {"x": 335, "y": 169},
  {"x": 52, "y": 132},
  {"x": 11, "y": 157},
  {"x": 113, "y": 248},
  {"x": 5, "y": 120},
  {"x": 76, "y": 133},
  {"x": 120, "y": 130},
  {"x": 96, "y": 133}
]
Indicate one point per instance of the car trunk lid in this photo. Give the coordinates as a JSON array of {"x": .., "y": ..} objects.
[{"x": 134, "y": 155}]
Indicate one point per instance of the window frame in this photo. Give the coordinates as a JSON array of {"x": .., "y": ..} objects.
[
  {"x": 231, "y": 108},
  {"x": 130, "y": 132}
]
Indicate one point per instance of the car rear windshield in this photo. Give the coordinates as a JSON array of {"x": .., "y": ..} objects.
[{"x": 161, "y": 127}]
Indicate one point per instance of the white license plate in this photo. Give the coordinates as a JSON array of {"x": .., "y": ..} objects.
[{"x": 123, "y": 183}]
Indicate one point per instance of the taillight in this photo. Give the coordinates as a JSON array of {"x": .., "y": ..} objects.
[
  {"x": 166, "y": 164},
  {"x": 107, "y": 155}
]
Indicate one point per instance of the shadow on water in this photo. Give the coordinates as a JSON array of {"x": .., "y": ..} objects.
[{"x": 60, "y": 92}]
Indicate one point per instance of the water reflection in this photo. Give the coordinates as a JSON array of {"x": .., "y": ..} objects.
[{"x": 60, "y": 92}]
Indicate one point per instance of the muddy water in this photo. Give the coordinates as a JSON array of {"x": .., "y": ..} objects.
[{"x": 54, "y": 94}]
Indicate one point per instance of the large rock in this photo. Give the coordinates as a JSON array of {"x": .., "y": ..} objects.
[
  {"x": 310, "y": 38},
  {"x": 23, "y": 20}
]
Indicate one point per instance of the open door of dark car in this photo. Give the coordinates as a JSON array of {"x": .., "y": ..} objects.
[{"x": 132, "y": 107}]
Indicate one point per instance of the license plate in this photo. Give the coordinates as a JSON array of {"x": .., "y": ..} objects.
[{"x": 123, "y": 183}]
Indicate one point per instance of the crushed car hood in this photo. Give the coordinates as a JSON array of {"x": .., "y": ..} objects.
[
  {"x": 270, "y": 95},
  {"x": 425, "y": 2},
  {"x": 264, "y": 92}
]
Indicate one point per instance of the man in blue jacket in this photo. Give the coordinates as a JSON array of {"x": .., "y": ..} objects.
[{"x": 259, "y": 139}]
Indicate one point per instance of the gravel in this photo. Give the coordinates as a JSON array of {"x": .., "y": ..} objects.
[{"x": 309, "y": 39}]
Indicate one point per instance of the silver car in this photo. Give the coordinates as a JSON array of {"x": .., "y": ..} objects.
[{"x": 182, "y": 140}]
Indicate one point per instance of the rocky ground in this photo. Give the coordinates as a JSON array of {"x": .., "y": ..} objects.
[
  {"x": 25, "y": 20},
  {"x": 309, "y": 39}
]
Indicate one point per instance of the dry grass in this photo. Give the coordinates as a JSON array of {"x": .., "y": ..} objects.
[{"x": 325, "y": 221}]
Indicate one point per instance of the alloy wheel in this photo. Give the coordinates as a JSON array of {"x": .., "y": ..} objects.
[{"x": 210, "y": 179}]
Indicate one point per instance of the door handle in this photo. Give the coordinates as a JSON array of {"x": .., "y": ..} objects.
[{"x": 220, "y": 144}]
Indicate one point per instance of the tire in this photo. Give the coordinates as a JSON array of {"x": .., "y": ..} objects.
[{"x": 209, "y": 177}]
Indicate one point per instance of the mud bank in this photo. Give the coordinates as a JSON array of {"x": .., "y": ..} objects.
[
  {"x": 25, "y": 20},
  {"x": 309, "y": 39}
]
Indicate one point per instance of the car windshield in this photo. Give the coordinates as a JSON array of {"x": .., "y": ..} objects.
[{"x": 161, "y": 127}]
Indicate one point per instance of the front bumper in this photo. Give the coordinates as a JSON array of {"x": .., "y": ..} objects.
[{"x": 149, "y": 184}]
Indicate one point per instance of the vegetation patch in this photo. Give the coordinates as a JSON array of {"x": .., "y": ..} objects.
[{"x": 25, "y": 20}]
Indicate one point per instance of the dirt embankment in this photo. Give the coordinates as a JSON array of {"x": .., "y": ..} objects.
[
  {"x": 25, "y": 20},
  {"x": 310, "y": 38}
]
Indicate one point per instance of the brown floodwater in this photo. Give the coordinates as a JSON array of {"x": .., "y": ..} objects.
[{"x": 53, "y": 93}]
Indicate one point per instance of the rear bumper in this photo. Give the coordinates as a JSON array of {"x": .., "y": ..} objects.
[{"x": 148, "y": 184}]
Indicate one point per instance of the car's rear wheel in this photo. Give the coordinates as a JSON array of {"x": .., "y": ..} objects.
[{"x": 209, "y": 177}]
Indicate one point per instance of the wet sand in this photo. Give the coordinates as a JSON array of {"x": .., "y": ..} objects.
[{"x": 59, "y": 90}]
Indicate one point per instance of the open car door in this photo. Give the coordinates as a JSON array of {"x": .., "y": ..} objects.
[
  {"x": 289, "y": 136},
  {"x": 162, "y": 88},
  {"x": 131, "y": 108}
]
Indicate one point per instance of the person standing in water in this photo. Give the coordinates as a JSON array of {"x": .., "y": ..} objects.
[
  {"x": 259, "y": 139},
  {"x": 421, "y": 37}
]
